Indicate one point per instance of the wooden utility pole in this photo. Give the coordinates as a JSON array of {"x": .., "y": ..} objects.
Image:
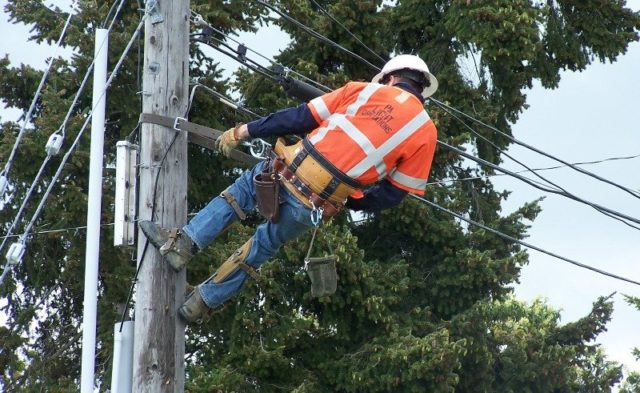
[{"x": 158, "y": 359}]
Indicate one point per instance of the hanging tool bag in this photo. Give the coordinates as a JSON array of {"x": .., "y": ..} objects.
[
  {"x": 323, "y": 275},
  {"x": 267, "y": 194},
  {"x": 321, "y": 270}
]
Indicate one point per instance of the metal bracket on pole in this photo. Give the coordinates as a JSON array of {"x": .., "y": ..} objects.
[{"x": 154, "y": 12}]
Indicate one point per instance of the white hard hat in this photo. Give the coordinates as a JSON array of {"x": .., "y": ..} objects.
[{"x": 410, "y": 62}]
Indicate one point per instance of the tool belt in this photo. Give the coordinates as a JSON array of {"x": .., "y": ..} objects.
[{"x": 316, "y": 182}]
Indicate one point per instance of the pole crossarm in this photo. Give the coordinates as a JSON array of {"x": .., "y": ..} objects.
[{"x": 198, "y": 134}]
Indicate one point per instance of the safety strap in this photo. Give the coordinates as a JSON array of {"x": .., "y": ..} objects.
[
  {"x": 170, "y": 245},
  {"x": 198, "y": 134},
  {"x": 335, "y": 172},
  {"x": 313, "y": 237},
  {"x": 235, "y": 262},
  {"x": 231, "y": 200},
  {"x": 250, "y": 271}
]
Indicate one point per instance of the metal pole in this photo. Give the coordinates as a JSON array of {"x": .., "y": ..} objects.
[
  {"x": 122, "y": 372},
  {"x": 93, "y": 213}
]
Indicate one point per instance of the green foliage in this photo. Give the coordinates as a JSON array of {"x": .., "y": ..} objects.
[{"x": 424, "y": 302}]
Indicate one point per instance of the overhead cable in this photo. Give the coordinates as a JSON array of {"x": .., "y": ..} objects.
[
  {"x": 61, "y": 130},
  {"x": 199, "y": 20},
  {"x": 523, "y": 144},
  {"x": 549, "y": 168},
  {"x": 609, "y": 212},
  {"x": 27, "y": 118},
  {"x": 583, "y": 171},
  {"x": 316, "y": 34},
  {"x": 525, "y": 244},
  {"x": 502, "y": 151},
  {"x": 24, "y": 203},
  {"x": 222, "y": 98},
  {"x": 559, "y": 189},
  {"x": 348, "y": 31},
  {"x": 116, "y": 68},
  {"x": 505, "y": 236}
]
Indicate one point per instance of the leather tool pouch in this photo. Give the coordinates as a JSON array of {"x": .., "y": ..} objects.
[
  {"x": 323, "y": 275},
  {"x": 267, "y": 190}
]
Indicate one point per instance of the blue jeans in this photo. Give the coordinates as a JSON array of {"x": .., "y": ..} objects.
[{"x": 295, "y": 219}]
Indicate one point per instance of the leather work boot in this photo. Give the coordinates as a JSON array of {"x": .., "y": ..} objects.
[
  {"x": 173, "y": 244},
  {"x": 194, "y": 309}
]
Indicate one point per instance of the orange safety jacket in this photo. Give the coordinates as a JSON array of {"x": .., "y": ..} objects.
[{"x": 371, "y": 132}]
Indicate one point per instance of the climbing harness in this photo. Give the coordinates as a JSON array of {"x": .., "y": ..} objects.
[{"x": 311, "y": 178}]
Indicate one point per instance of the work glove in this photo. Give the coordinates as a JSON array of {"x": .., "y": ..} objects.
[{"x": 227, "y": 141}]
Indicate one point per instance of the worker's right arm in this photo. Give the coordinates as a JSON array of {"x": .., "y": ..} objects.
[{"x": 294, "y": 120}]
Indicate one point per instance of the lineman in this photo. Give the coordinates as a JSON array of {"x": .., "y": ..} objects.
[{"x": 364, "y": 134}]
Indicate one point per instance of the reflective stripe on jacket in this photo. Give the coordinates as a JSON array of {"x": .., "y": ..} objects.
[{"x": 372, "y": 132}]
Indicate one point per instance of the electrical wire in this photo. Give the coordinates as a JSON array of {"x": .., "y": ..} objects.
[
  {"x": 558, "y": 190},
  {"x": 61, "y": 129},
  {"x": 199, "y": 20},
  {"x": 445, "y": 181},
  {"x": 237, "y": 58},
  {"x": 336, "y": 45},
  {"x": 27, "y": 118},
  {"x": 523, "y": 144},
  {"x": 348, "y": 31},
  {"x": 525, "y": 244},
  {"x": 24, "y": 203},
  {"x": 316, "y": 34},
  {"x": 116, "y": 68},
  {"x": 502, "y": 151},
  {"x": 609, "y": 212},
  {"x": 222, "y": 98}
]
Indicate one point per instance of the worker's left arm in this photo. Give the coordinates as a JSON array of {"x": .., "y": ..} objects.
[{"x": 383, "y": 195}]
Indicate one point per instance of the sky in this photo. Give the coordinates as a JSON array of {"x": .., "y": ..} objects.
[{"x": 592, "y": 115}]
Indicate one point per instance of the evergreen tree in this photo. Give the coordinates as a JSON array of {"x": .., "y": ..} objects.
[{"x": 424, "y": 303}]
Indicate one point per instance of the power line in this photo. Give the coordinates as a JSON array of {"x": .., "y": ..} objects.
[
  {"x": 348, "y": 31},
  {"x": 27, "y": 118},
  {"x": 528, "y": 245},
  {"x": 523, "y": 144},
  {"x": 24, "y": 202},
  {"x": 609, "y": 212},
  {"x": 23, "y": 237},
  {"x": 444, "y": 181},
  {"x": 61, "y": 130},
  {"x": 199, "y": 20},
  {"x": 316, "y": 34},
  {"x": 559, "y": 190},
  {"x": 336, "y": 45},
  {"x": 60, "y": 230},
  {"x": 510, "y": 238}
]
